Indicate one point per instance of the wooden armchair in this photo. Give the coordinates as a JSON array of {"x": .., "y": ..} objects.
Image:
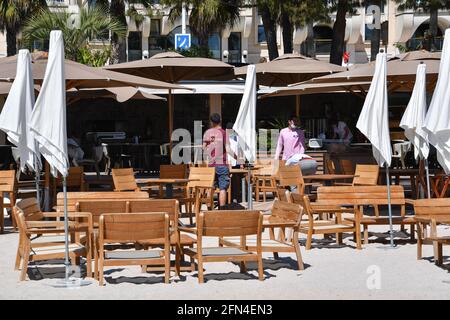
[
  {"x": 227, "y": 224},
  {"x": 7, "y": 186},
  {"x": 177, "y": 239},
  {"x": 265, "y": 179},
  {"x": 124, "y": 180},
  {"x": 35, "y": 237},
  {"x": 337, "y": 225},
  {"x": 133, "y": 228},
  {"x": 203, "y": 177},
  {"x": 284, "y": 217}
]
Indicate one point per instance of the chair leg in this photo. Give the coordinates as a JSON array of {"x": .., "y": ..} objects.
[
  {"x": 309, "y": 240},
  {"x": 358, "y": 237},
  {"x": 18, "y": 259},
  {"x": 260, "y": 267},
  {"x": 438, "y": 259},
  {"x": 200, "y": 270},
  {"x": 366, "y": 234},
  {"x": 100, "y": 273},
  {"x": 242, "y": 267},
  {"x": 419, "y": 241},
  {"x": 412, "y": 231},
  {"x": 298, "y": 253},
  {"x": 167, "y": 265},
  {"x": 178, "y": 253},
  {"x": 26, "y": 259}
]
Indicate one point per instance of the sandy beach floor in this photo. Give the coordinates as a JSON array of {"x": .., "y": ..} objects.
[{"x": 331, "y": 273}]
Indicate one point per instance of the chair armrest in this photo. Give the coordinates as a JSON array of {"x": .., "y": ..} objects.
[
  {"x": 188, "y": 230},
  {"x": 69, "y": 214},
  {"x": 409, "y": 201},
  {"x": 343, "y": 184}
]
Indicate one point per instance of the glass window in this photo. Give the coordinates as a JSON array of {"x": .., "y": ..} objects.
[
  {"x": 234, "y": 47},
  {"x": 134, "y": 45},
  {"x": 155, "y": 27},
  {"x": 323, "y": 36},
  {"x": 214, "y": 45},
  {"x": 261, "y": 34}
]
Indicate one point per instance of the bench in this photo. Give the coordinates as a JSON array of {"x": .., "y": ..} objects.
[
  {"x": 431, "y": 212},
  {"x": 358, "y": 196}
]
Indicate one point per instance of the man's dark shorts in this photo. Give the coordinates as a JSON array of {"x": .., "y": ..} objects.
[{"x": 222, "y": 180}]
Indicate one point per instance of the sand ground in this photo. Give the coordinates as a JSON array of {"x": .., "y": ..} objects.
[{"x": 331, "y": 272}]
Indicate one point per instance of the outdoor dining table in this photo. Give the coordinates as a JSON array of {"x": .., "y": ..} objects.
[
  {"x": 327, "y": 179},
  {"x": 169, "y": 183}
]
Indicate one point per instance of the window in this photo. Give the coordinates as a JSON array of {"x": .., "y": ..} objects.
[
  {"x": 134, "y": 46},
  {"x": 214, "y": 44},
  {"x": 323, "y": 36},
  {"x": 234, "y": 47},
  {"x": 261, "y": 34},
  {"x": 156, "y": 42}
]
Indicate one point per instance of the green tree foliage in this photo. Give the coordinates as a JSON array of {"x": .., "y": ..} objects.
[
  {"x": 93, "y": 24},
  {"x": 12, "y": 16},
  {"x": 432, "y": 7},
  {"x": 206, "y": 16}
]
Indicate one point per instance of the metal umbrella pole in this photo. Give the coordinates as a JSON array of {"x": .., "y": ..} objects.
[
  {"x": 37, "y": 172},
  {"x": 388, "y": 183},
  {"x": 428, "y": 178},
  {"x": 249, "y": 189}
]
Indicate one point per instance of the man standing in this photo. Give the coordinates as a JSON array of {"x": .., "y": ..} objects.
[
  {"x": 215, "y": 144},
  {"x": 291, "y": 142}
]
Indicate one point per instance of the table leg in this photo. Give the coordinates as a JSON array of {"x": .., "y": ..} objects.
[{"x": 169, "y": 191}]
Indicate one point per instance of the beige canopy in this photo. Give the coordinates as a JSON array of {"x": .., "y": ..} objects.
[
  {"x": 173, "y": 67},
  {"x": 357, "y": 88},
  {"x": 288, "y": 69},
  {"x": 120, "y": 94},
  {"x": 401, "y": 71},
  {"x": 80, "y": 76}
]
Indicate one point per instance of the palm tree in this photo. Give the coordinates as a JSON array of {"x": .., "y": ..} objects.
[
  {"x": 430, "y": 6},
  {"x": 116, "y": 9},
  {"x": 12, "y": 16},
  {"x": 342, "y": 7},
  {"x": 93, "y": 24},
  {"x": 206, "y": 16}
]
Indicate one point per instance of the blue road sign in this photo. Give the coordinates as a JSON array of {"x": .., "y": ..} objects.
[{"x": 182, "y": 41}]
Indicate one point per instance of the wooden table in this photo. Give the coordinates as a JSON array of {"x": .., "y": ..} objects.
[
  {"x": 243, "y": 174},
  {"x": 328, "y": 178},
  {"x": 169, "y": 183}
]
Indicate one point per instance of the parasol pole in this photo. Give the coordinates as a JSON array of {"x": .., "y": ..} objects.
[
  {"x": 388, "y": 183},
  {"x": 66, "y": 233},
  {"x": 427, "y": 171},
  {"x": 37, "y": 172}
]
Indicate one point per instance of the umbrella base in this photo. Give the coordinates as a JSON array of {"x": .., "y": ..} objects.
[{"x": 71, "y": 283}]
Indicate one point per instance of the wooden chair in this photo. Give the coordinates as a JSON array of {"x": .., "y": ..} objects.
[
  {"x": 358, "y": 196},
  {"x": 169, "y": 171},
  {"x": 75, "y": 180},
  {"x": 227, "y": 224},
  {"x": 346, "y": 166},
  {"x": 74, "y": 197},
  {"x": 98, "y": 207},
  {"x": 204, "y": 177},
  {"x": 314, "y": 226},
  {"x": 30, "y": 250},
  {"x": 177, "y": 239},
  {"x": 7, "y": 186},
  {"x": 431, "y": 213},
  {"x": 282, "y": 194},
  {"x": 331, "y": 168},
  {"x": 283, "y": 216},
  {"x": 265, "y": 179},
  {"x": 124, "y": 180},
  {"x": 366, "y": 175},
  {"x": 133, "y": 228},
  {"x": 291, "y": 176}
]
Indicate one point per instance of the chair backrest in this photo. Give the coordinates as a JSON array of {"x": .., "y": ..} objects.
[
  {"x": 294, "y": 197},
  {"x": 74, "y": 197},
  {"x": 229, "y": 223},
  {"x": 133, "y": 227},
  {"x": 291, "y": 176},
  {"x": 124, "y": 180},
  {"x": 366, "y": 175},
  {"x": 169, "y": 206},
  {"x": 99, "y": 207},
  {"x": 346, "y": 166},
  {"x": 287, "y": 211},
  {"x": 172, "y": 171},
  {"x": 7, "y": 180},
  {"x": 283, "y": 194},
  {"x": 30, "y": 209},
  {"x": 360, "y": 195},
  {"x": 205, "y": 176},
  {"x": 432, "y": 208},
  {"x": 331, "y": 168},
  {"x": 75, "y": 179}
]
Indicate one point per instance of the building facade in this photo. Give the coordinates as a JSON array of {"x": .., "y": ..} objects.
[{"x": 245, "y": 41}]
